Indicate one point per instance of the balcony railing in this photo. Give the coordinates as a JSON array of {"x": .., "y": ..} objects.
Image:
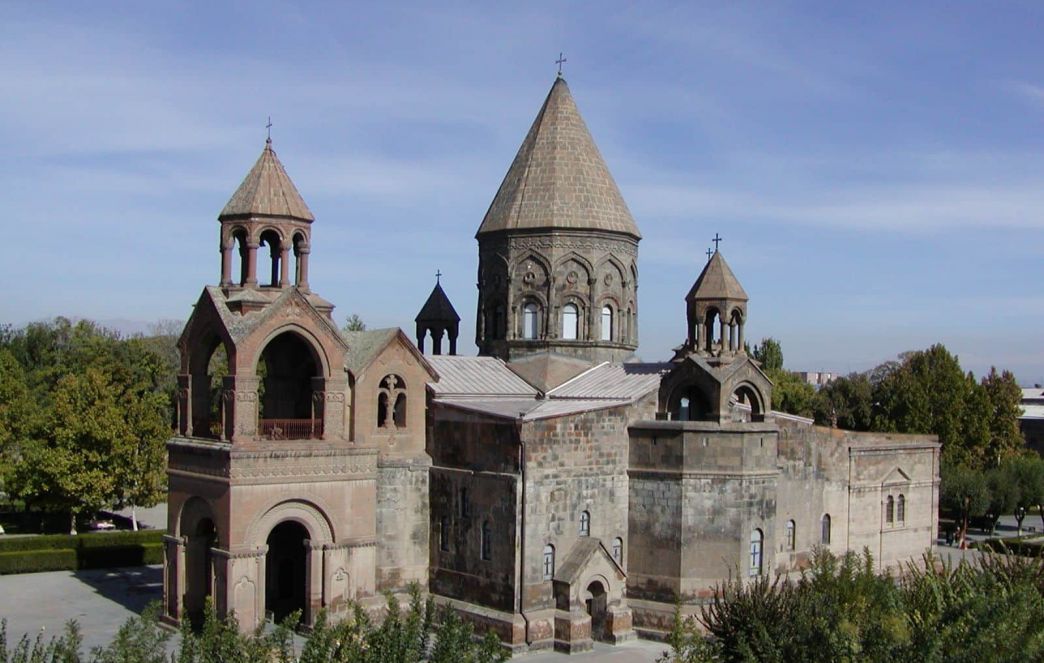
[{"x": 291, "y": 429}]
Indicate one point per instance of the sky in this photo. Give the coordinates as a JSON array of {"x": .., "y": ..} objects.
[{"x": 876, "y": 169}]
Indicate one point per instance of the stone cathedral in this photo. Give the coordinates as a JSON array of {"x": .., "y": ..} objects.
[{"x": 552, "y": 488}]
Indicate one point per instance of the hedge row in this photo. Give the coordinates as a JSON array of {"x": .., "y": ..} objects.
[
  {"x": 71, "y": 542},
  {"x": 1014, "y": 546},
  {"x": 31, "y": 561},
  {"x": 88, "y": 551}
]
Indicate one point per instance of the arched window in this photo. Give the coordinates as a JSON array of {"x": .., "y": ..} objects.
[
  {"x": 585, "y": 523},
  {"x": 618, "y": 550},
  {"x": 607, "y": 323},
  {"x": 465, "y": 504},
  {"x": 391, "y": 403},
  {"x": 791, "y": 535},
  {"x": 824, "y": 536},
  {"x": 549, "y": 562},
  {"x": 530, "y": 313},
  {"x": 890, "y": 510},
  {"x": 901, "y": 516},
  {"x": 444, "y": 533},
  {"x": 570, "y": 322},
  {"x": 487, "y": 541},
  {"x": 757, "y": 539}
]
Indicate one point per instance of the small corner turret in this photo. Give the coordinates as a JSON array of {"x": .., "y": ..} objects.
[{"x": 439, "y": 318}]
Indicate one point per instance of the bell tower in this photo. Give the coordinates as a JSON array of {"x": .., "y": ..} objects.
[{"x": 716, "y": 311}]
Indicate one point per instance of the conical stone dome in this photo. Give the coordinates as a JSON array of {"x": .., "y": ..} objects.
[
  {"x": 267, "y": 191},
  {"x": 558, "y": 179}
]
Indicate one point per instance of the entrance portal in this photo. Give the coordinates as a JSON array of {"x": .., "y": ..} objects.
[
  {"x": 286, "y": 570},
  {"x": 595, "y": 602}
]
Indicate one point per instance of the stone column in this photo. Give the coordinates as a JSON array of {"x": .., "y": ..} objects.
[
  {"x": 251, "y": 264},
  {"x": 721, "y": 328},
  {"x": 453, "y": 341},
  {"x": 240, "y": 408},
  {"x": 313, "y": 582},
  {"x": 302, "y": 265},
  {"x": 335, "y": 395},
  {"x": 436, "y": 341},
  {"x": 173, "y": 576},
  {"x": 226, "y": 265},
  {"x": 739, "y": 346},
  {"x": 184, "y": 404},
  {"x": 284, "y": 267}
]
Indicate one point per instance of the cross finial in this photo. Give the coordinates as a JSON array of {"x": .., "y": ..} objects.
[
  {"x": 559, "y": 62},
  {"x": 438, "y": 276},
  {"x": 709, "y": 254},
  {"x": 269, "y": 128},
  {"x": 716, "y": 240}
]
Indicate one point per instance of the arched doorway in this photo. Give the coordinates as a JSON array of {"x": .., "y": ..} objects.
[
  {"x": 200, "y": 532},
  {"x": 287, "y": 367},
  {"x": 286, "y": 565},
  {"x": 595, "y": 601}
]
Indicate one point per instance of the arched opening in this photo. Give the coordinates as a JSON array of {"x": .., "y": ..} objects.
[
  {"x": 239, "y": 254},
  {"x": 688, "y": 403},
  {"x": 286, "y": 570},
  {"x": 549, "y": 562},
  {"x": 607, "y": 323},
  {"x": 618, "y": 550},
  {"x": 890, "y": 510},
  {"x": 270, "y": 238},
  {"x": 791, "y": 535},
  {"x": 570, "y": 322},
  {"x": 712, "y": 329},
  {"x": 285, "y": 397},
  {"x": 208, "y": 367},
  {"x": 750, "y": 398},
  {"x": 486, "y": 546},
  {"x": 757, "y": 541},
  {"x": 824, "y": 534},
  {"x": 901, "y": 514},
  {"x": 585, "y": 523},
  {"x": 391, "y": 402},
  {"x": 530, "y": 321},
  {"x": 197, "y": 526},
  {"x": 595, "y": 601}
]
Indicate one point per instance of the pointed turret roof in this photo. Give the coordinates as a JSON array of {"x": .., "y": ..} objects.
[
  {"x": 438, "y": 308},
  {"x": 558, "y": 178},
  {"x": 717, "y": 281},
  {"x": 267, "y": 190}
]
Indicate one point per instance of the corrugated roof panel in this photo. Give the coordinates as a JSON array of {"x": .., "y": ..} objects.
[
  {"x": 613, "y": 381},
  {"x": 477, "y": 376}
]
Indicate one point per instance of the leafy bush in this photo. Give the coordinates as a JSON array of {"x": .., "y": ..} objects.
[
  {"x": 32, "y": 561},
  {"x": 88, "y": 551},
  {"x": 1024, "y": 546},
  {"x": 841, "y": 610}
]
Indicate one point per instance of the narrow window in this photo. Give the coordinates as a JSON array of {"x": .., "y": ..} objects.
[
  {"x": 487, "y": 541},
  {"x": 444, "y": 533},
  {"x": 618, "y": 550},
  {"x": 585, "y": 523},
  {"x": 825, "y": 527},
  {"x": 756, "y": 542},
  {"x": 382, "y": 410},
  {"x": 399, "y": 411},
  {"x": 791, "y": 535},
  {"x": 570, "y": 322},
  {"x": 465, "y": 504},
  {"x": 607, "y": 323},
  {"x": 529, "y": 321},
  {"x": 902, "y": 508},
  {"x": 549, "y": 562},
  {"x": 890, "y": 510}
]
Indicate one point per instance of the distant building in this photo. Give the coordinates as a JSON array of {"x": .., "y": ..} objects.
[
  {"x": 1031, "y": 423},
  {"x": 817, "y": 378}
]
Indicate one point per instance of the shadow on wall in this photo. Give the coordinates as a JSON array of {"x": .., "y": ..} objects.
[{"x": 133, "y": 588}]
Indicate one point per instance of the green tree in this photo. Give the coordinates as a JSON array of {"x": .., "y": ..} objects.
[
  {"x": 769, "y": 354},
  {"x": 1003, "y": 494},
  {"x": 353, "y": 323},
  {"x": 792, "y": 394},
  {"x": 1004, "y": 397},
  {"x": 847, "y": 402},
  {"x": 1025, "y": 474},
  {"x": 71, "y": 468},
  {"x": 964, "y": 492}
]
